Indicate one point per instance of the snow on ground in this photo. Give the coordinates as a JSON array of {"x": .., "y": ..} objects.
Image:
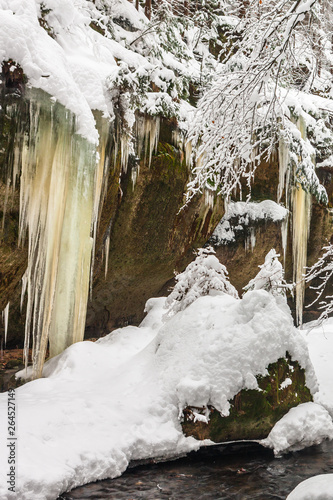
[
  {"x": 320, "y": 342},
  {"x": 103, "y": 404}
]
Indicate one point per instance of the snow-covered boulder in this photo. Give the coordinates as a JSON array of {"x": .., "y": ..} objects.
[{"x": 235, "y": 366}]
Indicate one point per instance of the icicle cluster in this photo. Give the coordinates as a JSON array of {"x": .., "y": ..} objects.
[{"x": 60, "y": 188}]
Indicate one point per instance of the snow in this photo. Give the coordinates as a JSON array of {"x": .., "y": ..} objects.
[
  {"x": 285, "y": 383},
  {"x": 305, "y": 425},
  {"x": 204, "y": 276},
  {"x": 270, "y": 277},
  {"x": 45, "y": 61},
  {"x": 119, "y": 399},
  {"x": 315, "y": 488},
  {"x": 246, "y": 213},
  {"x": 75, "y": 64},
  {"x": 320, "y": 343}
]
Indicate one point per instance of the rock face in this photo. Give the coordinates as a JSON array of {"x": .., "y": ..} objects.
[
  {"x": 141, "y": 228},
  {"x": 253, "y": 413},
  {"x": 149, "y": 239}
]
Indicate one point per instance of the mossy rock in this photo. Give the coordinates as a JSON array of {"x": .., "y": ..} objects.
[
  {"x": 253, "y": 413},
  {"x": 8, "y": 379}
]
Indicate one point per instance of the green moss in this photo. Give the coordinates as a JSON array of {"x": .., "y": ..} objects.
[{"x": 253, "y": 413}]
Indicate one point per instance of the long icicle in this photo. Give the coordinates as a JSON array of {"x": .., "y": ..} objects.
[
  {"x": 5, "y": 317},
  {"x": 56, "y": 211}
]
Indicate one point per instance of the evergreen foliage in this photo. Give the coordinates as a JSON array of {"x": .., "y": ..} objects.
[
  {"x": 270, "y": 277},
  {"x": 204, "y": 276}
]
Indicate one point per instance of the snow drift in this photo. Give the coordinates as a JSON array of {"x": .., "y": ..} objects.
[{"x": 104, "y": 404}]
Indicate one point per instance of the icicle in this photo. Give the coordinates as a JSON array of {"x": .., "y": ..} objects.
[
  {"x": 284, "y": 237},
  {"x": 188, "y": 154},
  {"x": 135, "y": 174},
  {"x": 283, "y": 170},
  {"x": 4, "y": 211},
  {"x": 301, "y": 201},
  {"x": 100, "y": 182},
  {"x": 125, "y": 149},
  {"x": 57, "y": 192},
  {"x": 250, "y": 240},
  {"x": 154, "y": 134},
  {"x": 147, "y": 133},
  {"x": 177, "y": 139},
  {"x": 5, "y": 316},
  {"x": 107, "y": 252},
  {"x": 301, "y": 125},
  {"x": 13, "y": 174},
  {"x": 209, "y": 198}
]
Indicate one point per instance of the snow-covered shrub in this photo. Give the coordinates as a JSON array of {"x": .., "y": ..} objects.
[
  {"x": 204, "y": 276},
  {"x": 270, "y": 277}
]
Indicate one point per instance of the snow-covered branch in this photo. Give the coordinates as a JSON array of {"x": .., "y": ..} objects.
[
  {"x": 248, "y": 106},
  {"x": 322, "y": 271}
]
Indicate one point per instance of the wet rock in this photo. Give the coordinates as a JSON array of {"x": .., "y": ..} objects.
[{"x": 253, "y": 413}]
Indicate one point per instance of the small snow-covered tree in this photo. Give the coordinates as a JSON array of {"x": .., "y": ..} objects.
[
  {"x": 204, "y": 276},
  {"x": 270, "y": 277},
  {"x": 323, "y": 271}
]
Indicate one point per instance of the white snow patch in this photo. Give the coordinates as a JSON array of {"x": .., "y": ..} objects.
[
  {"x": 286, "y": 383},
  {"x": 305, "y": 425},
  {"x": 315, "y": 488},
  {"x": 245, "y": 214},
  {"x": 320, "y": 344}
]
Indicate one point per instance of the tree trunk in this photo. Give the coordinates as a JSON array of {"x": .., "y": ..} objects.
[{"x": 148, "y": 9}]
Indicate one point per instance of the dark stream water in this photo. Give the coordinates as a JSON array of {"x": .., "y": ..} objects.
[{"x": 240, "y": 474}]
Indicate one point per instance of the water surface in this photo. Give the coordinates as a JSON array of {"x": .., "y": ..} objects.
[{"x": 247, "y": 474}]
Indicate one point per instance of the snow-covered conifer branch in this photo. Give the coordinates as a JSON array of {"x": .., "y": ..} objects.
[
  {"x": 270, "y": 277},
  {"x": 204, "y": 276}
]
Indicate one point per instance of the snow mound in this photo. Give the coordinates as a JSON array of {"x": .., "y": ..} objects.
[
  {"x": 216, "y": 346},
  {"x": 320, "y": 343},
  {"x": 106, "y": 403},
  {"x": 315, "y": 488},
  {"x": 306, "y": 425}
]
